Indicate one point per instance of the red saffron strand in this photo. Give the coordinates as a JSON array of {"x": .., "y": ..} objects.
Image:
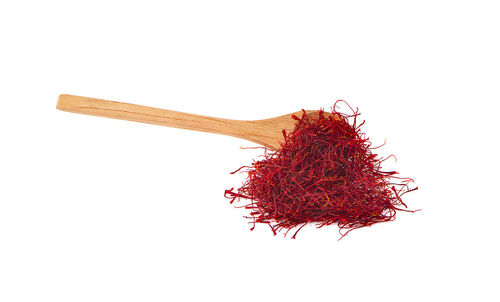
[{"x": 324, "y": 173}]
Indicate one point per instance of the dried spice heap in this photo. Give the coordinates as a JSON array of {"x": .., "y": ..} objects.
[{"x": 324, "y": 173}]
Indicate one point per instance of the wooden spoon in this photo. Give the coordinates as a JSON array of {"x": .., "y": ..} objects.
[{"x": 267, "y": 132}]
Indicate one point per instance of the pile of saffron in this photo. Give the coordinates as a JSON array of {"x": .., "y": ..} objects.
[{"x": 324, "y": 173}]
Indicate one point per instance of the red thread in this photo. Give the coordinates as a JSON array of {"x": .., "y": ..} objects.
[{"x": 324, "y": 173}]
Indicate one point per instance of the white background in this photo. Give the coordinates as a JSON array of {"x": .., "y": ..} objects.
[{"x": 94, "y": 209}]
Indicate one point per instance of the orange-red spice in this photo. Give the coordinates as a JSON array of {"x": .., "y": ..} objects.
[{"x": 324, "y": 173}]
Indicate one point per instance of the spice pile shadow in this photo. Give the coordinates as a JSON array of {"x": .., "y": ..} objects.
[{"x": 325, "y": 172}]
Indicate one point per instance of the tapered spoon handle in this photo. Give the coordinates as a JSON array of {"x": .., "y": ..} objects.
[
  {"x": 265, "y": 132},
  {"x": 148, "y": 115}
]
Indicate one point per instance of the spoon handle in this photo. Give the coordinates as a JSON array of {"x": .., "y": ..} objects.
[{"x": 150, "y": 115}]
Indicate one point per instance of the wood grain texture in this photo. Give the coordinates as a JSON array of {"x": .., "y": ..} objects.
[{"x": 266, "y": 132}]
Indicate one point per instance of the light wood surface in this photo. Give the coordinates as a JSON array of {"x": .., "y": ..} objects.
[{"x": 267, "y": 132}]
